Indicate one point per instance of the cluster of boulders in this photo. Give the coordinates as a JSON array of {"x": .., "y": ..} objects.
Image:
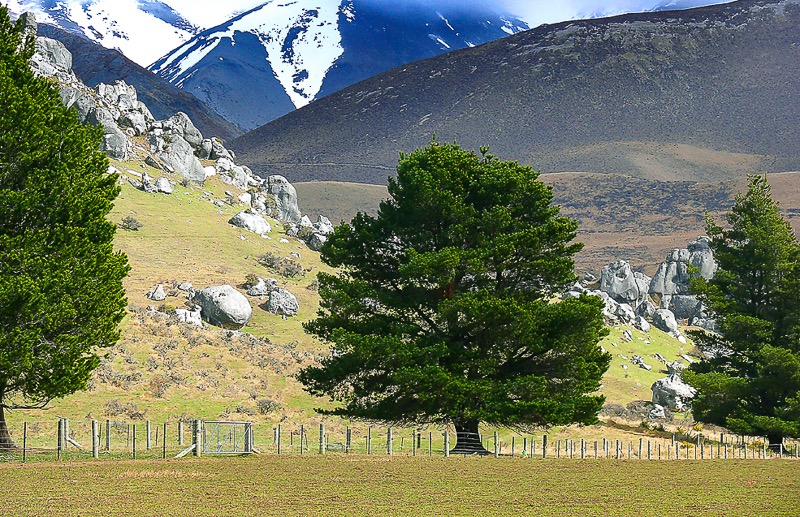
[
  {"x": 663, "y": 299},
  {"x": 225, "y": 307},
  {"x": 279, "y": 300},
  {"x": 173, "y": 145},
  {"x": 632, "y": 298}
]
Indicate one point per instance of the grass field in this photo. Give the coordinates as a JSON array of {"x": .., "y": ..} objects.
[{"x": 360, "y": 485}]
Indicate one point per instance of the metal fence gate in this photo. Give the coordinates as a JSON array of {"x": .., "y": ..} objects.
[{"x": 227, "y": 437}]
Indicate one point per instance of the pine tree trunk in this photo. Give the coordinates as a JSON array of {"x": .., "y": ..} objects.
[
  {"x": 5, "y": 437},
  {"x": 468, "y": 439}
]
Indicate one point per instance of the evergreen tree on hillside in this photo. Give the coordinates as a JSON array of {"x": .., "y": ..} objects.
[
  {"x": 444, "y": 312},
  {"x": 751, "y": 382},
  {"x": 61, "y": 294}
]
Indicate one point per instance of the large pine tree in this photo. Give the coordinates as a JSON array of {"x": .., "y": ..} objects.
[
  {"x": 444, "y": 308},
  {"x": 61, "y": 294},
  {"x": 751, "y": 381}
]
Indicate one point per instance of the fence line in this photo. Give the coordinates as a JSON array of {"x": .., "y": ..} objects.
[{"x": 64, "y": 439}]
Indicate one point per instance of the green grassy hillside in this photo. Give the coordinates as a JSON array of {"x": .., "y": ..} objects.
[{"x": 165, "y": 370}]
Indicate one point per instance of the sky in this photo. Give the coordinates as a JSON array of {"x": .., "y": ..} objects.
[{"x": 207, "y": 13}]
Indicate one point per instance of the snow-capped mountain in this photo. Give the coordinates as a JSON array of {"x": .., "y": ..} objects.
[
  {"x": 143, "y": 30},
  {"x": 282, "y": 55}
]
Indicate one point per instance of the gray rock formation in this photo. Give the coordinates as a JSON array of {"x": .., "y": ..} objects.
[
  {"x": 664, "y": 319},
  {"x": 177, "y": 155},
  {"x": 263, "y": 287},
  {"x": 157, "y": 294},
  {"x": 623, "y": 284},
  {"x": 283, "y": 303},
  {"x": 672, "y": 392},
  {"x": 285, "y": 207},
  {"x": 251, "y": 222},
  {"x": 658, "y": 412},
  {"x": 191, "y": 317},
  {"x": 316, "y": 241},
  {"x": 162, "y": 185},
  {"x": 224, "y": 306},
  {"x": 183, "y": 126},
  {"x": 671, "y": 281}
]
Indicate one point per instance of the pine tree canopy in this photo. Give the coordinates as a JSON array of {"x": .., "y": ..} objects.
[
  {"x": 444, "y": 310},
  {"x": 61, "y": 294},
  {"x": 750, "y": 382}
]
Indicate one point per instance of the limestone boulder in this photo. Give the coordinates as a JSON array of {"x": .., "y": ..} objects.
[
  {"x": 664, "y": 319},
  {"x": 182, "y": 124},
  {"x": 283, "y": 303},
  {"x": 251, "y": 222},
  {"x": 623, "y": 284},
  {"x": 177, "y": 155},
  {"x": 192, "y": 317},
  {"x": 285, "y": 196},
  {"x": 671, "y": 392},
  {"x": 157, "y": 294},
  {"x": 263, "y": 287},
  {"x": 316, "y": 241},
  {"x": 224, "y": 306},
  {"x": 52, "y": 53}
]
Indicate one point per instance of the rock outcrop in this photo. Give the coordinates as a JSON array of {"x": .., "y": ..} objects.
[
  {"x": 671, "y": 281},
  {"x": 282, "y": 302},
  {"x": 671, "y": 392},
  {"x": 224, "y": 306},
  {"x": 623, "y": 284},
  {"x": 251, "y": 222}
]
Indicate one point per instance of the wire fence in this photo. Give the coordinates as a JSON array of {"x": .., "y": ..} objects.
[{"x": 68, "y": 440}]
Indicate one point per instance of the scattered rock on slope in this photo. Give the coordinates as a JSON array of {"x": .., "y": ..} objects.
[{"x": 224, "y": 306}]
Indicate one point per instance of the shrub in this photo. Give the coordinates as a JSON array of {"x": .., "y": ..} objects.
[
  {"x": 250, "y": 280},
  {"x": 266, "y": 406},
  {"x": 130, "y": 224}
]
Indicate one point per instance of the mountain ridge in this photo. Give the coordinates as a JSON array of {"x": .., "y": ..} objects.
[{"x": 720, "y": 78}]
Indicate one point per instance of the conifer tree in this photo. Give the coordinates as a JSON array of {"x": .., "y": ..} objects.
[
  {"x": 61, "y": 294},
  {"x": 444, "y": 309},
  {"x": 751, "y": 381}
]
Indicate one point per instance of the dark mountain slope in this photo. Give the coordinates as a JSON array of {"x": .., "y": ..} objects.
[
  {"x": 704, "y": 94},
  {"x": 95, "y": 64}
]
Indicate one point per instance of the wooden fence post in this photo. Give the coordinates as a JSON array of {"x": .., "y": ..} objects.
[
  {"x": 446, "y": 443},
  {"x": 147, "y": 430},
  {"x": 389, "y": 441},
  {"x": 583, "y": 449},
  {"x": 430, "y": 443},
  {"x": 108, "y": 435},
  {"x": 197, "y": 438},
  {"x": 496, "y": 446},
  {"x": 322, "y": 438},
  {"x": 95, "y": 440},
  {"x": 133, "y": 436},
  {"x": 278, "y": 435},
  {"x": 60, "y": 436},
  {"x": 649, "y": 451},
  {"x": 513, "y": 444},
  {"x": 180, "y": 433},
  {"x": 369, "y": 440},
  {"x": 595, "y": 449},
  {"x": 641, "y": 441},
  {"x": 302, "y": 434},
  {"x": 413, "y": 442},
  {"x": 164, "y": 442},
  {"x": 24, "y": 442},
  {"x": 544, "y": 446}
]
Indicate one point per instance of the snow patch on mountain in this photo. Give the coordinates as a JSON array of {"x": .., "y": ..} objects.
[
  {"x": 141, "y": 29},
  {"x": 301, "y": 38}
]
